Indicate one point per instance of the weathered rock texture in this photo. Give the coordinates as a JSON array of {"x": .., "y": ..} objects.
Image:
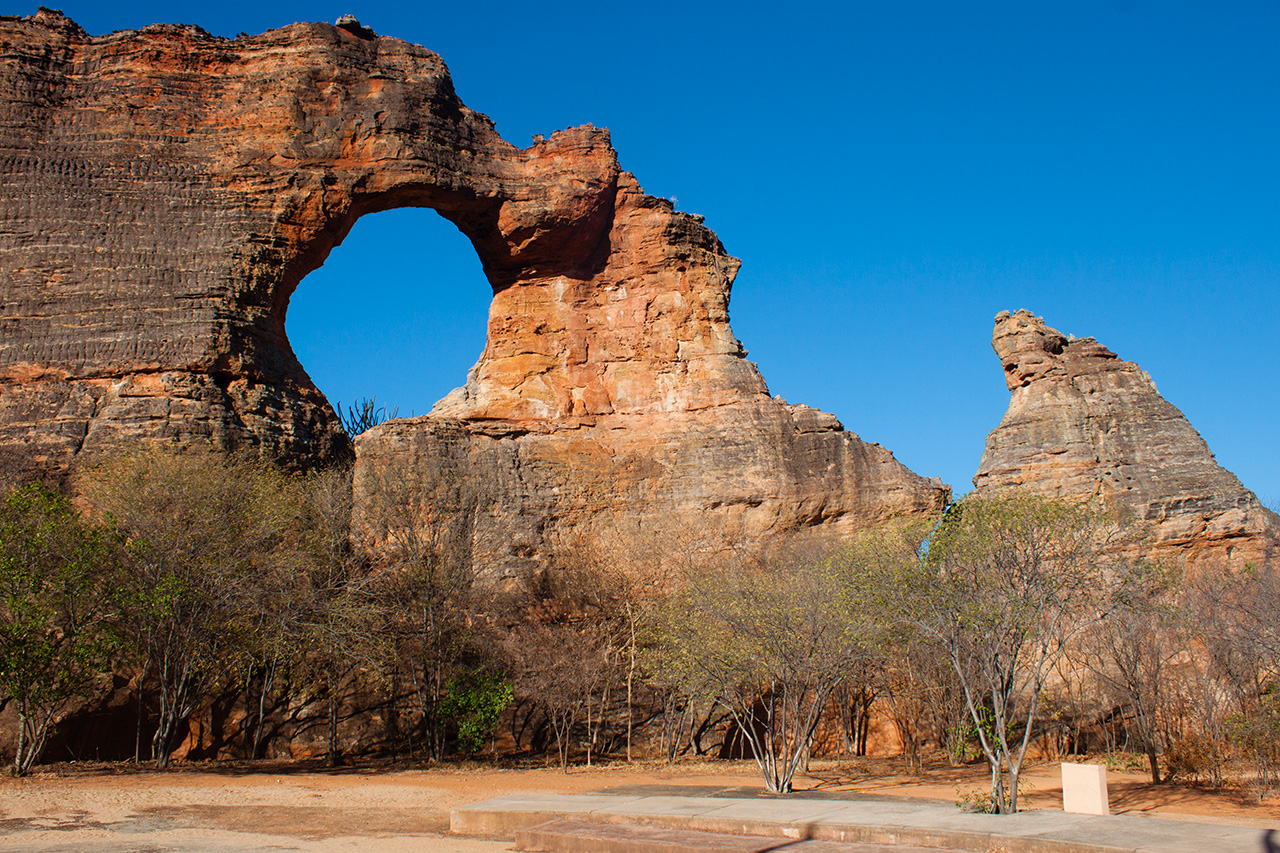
[
  {"x": 165, "y": 191},
  {"x": 1083, "y": 423}
]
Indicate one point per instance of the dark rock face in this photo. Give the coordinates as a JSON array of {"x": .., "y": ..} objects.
[
  {"x": 165, "y": 191},
  {"x": 1084, "y": 423}
]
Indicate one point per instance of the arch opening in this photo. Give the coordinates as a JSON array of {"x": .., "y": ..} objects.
[{"x": 398, "y": 312}]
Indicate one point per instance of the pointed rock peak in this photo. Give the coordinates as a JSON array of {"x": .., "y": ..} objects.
[
  {"x": 1030, "y": 350},
  {"x": 1083, "y": 424},
  {"x": 1027, "y": 348}
]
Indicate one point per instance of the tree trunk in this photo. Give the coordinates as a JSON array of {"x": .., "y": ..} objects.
[
  {"x": 137, "y": 743},
  {"x": 562, "y": 724},
  {"x": 631, "y": 677},
  {"x": 18, "y": 762},
  {"x": 160, "y": 742},
  {"x": 1153, "y": 761},
  {"x": 173, "y": 707},
  {"x": 165, "y": 725},
  {"x": 590, "y": 741},
  {"x": 432, "y": 677},
  {"x": 268, "y": 677},
  {"x": 335, "y": 754},
  {"x": 864, "y": 725}
]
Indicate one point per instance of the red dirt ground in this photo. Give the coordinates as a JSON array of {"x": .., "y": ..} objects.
[{"x": 344, "y": 809}]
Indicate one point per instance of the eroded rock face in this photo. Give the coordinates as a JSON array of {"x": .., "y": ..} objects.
[
  {"x": 1084, "y": 423},
  {"x": 739, "y": 475},
  {"x": 165, "y": 191}
]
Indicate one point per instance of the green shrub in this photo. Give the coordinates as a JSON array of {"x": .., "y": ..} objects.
[{"x": 473, "y": 702}]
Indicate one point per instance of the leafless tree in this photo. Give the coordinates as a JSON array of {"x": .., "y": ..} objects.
[
  {"x": 200, "y": 530},
  {"x": 564, "y": 664},
  {"x": 922, "y": 693},
  {"x": 337, "y": 610},
  {"x": 1131, "y": 652},
  {"x": 1237, "y": 678},
  {"x": 613, "y": 580},
  {"x": 1004, "y": 585},
  {"x": 769, "y": 643},
  {"x": 416, "y": 528}
]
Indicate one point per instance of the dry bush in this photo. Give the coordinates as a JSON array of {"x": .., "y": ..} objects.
[{"x": 202, "y": 532}]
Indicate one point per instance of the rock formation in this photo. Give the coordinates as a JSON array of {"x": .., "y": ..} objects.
[
  {"x": 166, "y": 191},
  {"x": 1084, "y": 423}
]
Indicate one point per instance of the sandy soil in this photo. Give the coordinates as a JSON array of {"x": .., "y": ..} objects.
[{"x": 228, "y": 807}]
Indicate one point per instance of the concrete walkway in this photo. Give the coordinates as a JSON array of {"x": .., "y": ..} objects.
[{"x": 882, "y": 820}]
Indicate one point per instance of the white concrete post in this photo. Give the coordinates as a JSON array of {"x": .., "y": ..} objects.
[{"x": 1084, "y": 789}]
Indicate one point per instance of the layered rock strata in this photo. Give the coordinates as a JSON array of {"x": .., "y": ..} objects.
[
  {"x": 1083, "y": 423},
  {"x": 166, "y": 191}
]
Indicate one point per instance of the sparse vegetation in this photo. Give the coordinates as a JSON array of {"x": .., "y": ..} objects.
[
  {"x": 1002, "y": 586},
  {"x": 364, "y": 415},
  {"x": 201, "y": 533},
  {"x": 218, "y": 587},
  {"x": 769, "y": 643},
  {"x": 57, "y": 576}
]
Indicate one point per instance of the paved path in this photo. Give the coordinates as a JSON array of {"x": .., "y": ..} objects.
[
  {"x": 882, "y": 820},
  {"x": 233, "y": 830}
]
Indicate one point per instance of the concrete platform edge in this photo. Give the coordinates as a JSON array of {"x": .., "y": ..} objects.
[{"x": 492, "y": 819}]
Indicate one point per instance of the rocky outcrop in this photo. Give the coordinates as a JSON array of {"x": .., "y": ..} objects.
[
  {"x": 1083, "y": 423},
  {"x": 741, "y": 474},
  {"x": 166, "y": 191}
]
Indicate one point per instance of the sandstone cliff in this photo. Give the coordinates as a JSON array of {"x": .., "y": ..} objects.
[
  {"x": 1084, "y": 423},
  {"x": 166, "y": 191}
]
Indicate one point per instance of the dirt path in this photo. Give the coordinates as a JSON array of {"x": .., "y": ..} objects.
[{"x": 380, "y": 808}]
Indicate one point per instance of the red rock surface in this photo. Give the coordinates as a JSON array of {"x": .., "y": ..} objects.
[
  {"x": 166, "y": 191},
  {"x": 1083, "y": 423}
]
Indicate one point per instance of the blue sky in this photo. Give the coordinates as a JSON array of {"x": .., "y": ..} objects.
[{"x": 891, "y": 175}]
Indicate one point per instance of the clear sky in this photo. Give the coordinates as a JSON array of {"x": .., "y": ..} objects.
[{"x": 891, "y": 174}]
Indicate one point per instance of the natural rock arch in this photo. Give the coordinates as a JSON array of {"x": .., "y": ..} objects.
[
  {"x": 168, "y": 191},
  {"x": 215, "y": 174},
  {"x": 396, "y": 315}
]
